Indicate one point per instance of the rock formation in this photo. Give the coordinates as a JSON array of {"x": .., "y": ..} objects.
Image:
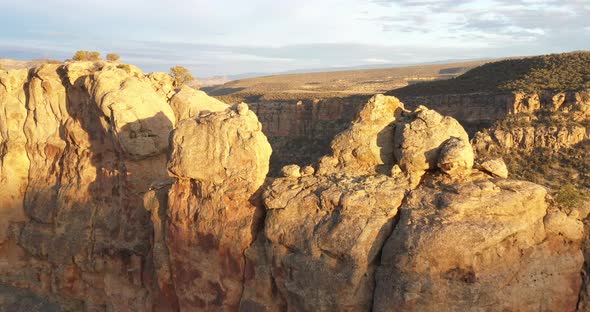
[
  {"x": 120, "y": 193},
  {"x": 480, "y": 245},
  {"x": 366, "y": 147},
  {"x": 419, "y": 138},
  {"x": 81, "y": 143},
  {"x": 220, "y": 161}
]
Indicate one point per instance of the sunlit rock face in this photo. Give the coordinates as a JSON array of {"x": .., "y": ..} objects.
[{"x": 81, "y": 143}]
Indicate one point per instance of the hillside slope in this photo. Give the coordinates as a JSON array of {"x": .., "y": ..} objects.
[{"x": 554, "y": 72}]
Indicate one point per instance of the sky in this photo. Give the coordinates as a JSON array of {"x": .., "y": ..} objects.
[{"x": 228, "y": 37}]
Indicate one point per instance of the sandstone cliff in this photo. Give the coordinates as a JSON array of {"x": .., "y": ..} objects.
[{"x": 120, "y": 193}]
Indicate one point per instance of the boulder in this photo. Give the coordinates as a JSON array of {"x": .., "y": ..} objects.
[
  {"x": 291, "y": 171},
  {"x": 307, "y": 171},
  {"x": 219, "y": 148},
  {"x": 189, "y": 103},
  {"x": 496, "y": 167},
  {"x": 477, "y": 244},
  {"x": 456, "y": 157},
  {"x": 419, "y": 137},
  {"x": 367, "y": 146}
]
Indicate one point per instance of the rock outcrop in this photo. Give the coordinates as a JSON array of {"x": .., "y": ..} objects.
[
  {"x": 80, "y": 142},
  {"x": 120, "y": 193},
  {"x": 496, "y": 167},
  {"x": 220, "y": 161},
  {"x": 479, "y": 245},
  {"x": 464, "y": 240},
  {"x": 366, "y": 147},
  {"x": 419, "y": 138},
  {"x": 321, "y": 244}
]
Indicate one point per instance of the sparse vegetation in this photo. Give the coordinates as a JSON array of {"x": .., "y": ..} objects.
[
  {"x": 86, "y": 56},
  {"x": 555, "y": 72},
  {"x": 181, "y": 75},
  {"x": 112, "y": 57},
  {"x": 125, "y": 67},
  {"x": 570, "y": 196}
]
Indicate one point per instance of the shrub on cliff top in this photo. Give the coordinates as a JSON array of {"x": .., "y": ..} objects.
[
  {"x": 181, "y": 75},
  {"x": 86, "y": 56},
  {"x": 112, "y": 57}
]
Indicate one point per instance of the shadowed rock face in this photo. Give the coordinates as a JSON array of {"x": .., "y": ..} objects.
[{"x": 95, "y": 217}]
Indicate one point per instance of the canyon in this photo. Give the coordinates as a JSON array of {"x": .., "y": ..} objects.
[{"x": 122, "y": 193}]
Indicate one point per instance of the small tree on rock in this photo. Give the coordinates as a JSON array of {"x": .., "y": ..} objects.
[
  {"x": 112, "y": 57},
  {"x": 181, "y": 75}
]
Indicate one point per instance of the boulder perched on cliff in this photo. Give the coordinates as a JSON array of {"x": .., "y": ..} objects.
[
  {"x": 419, "y": 137},
  {"x": 189, "y": 103},
  {"x": 220, "y": 148},
  {"x": 163, "y": 83},
  {"x": 367, "y": 146},
  {"x": 496, "y": 167},
  {"x": 479, "y": 244},
  {"x": 321, "y": 242},
  {"x": 456, "y": 157},
  {"x": 220, "y": 161}
]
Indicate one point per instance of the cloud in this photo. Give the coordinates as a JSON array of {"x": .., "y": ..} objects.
[
  {"x": 500, "y": 20},
  {"x": 376, "y": 61},
  {"x": 235, "y": 36}
]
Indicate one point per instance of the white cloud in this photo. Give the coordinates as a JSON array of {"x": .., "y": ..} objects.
[{"x": 376, "y": 60}]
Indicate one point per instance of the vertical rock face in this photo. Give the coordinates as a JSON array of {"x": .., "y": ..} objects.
[
  {"x": 301, "y": 131},
  {"x": 321, "y": 243},
  {"x": 80, "y": 144},
  {"x": 220, "y": 161},
  {"x": 529, "y": 137}
]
